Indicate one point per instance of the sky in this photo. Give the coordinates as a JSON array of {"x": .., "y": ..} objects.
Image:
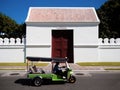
[{"x": 18, "y": 9}]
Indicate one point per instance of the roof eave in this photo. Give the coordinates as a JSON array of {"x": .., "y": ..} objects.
[{"x": 61, "y": 23}]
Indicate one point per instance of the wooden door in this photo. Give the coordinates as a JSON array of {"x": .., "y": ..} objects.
[{"x": 62, "y": 44}]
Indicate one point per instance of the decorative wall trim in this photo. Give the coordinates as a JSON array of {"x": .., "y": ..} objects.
[
  {"x": 38, "y": 46},
  {"x": 109, "y": 47},
  {"x": 86, "y": 46},
  {"x": 11, "y": 46}
]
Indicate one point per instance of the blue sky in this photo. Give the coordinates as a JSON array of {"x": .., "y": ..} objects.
[{"x": 18, "y": 9}]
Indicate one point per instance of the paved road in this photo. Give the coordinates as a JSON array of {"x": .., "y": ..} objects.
[{"x": 91, "y": 81}]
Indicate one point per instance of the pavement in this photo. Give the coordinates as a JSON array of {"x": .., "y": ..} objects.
[
  {"x": 74, "y": 67},
  {"x": 83, "y": 71}
]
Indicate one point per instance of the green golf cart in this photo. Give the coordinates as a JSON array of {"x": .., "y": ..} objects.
[{"x": 38, "y": 75}]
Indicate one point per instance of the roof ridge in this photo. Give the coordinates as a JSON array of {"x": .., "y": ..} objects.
[{"x": 61, "y": 7}]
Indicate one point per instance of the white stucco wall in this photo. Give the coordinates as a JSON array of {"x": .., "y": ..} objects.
[
  {"x": 107, "y": 50},
  {"x": 38, "y": 35},
  {"x": 39, "y": 40},
  {"x": 85, "y": 44},
  {"x": 109, "y": 53},
  {"x": 38, "y": 51},
  {"x": 41, "y": 35},
  {"x": 86, "y": 35},
  {"x": 12, "y": 55},
  {"x": 11, "y": 51},
  {"x": 86, "y": 54}
]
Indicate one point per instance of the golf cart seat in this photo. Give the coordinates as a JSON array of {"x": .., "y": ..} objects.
[{"x": 33, "y": 69}]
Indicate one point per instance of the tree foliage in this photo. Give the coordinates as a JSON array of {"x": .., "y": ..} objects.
[
  {"x": 9, "y": 28},
  {"x": 109, "y": 15}
]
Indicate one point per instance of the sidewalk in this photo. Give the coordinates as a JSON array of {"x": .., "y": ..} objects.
[
  {"x": 74, "y": 67},
  {"x": 78, "y": 68},
  {"x": 82, "y": 71}
]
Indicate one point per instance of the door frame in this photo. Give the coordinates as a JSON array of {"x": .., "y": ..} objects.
[{"x": 68, "y": 34}]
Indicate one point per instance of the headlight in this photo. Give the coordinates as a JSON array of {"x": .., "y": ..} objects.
[{"x": 71, "y": 72}]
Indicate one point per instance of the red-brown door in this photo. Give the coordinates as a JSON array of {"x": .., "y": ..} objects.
[{"x": 62, "y": 44}]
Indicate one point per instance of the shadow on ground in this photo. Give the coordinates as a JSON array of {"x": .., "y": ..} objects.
[
  {"x": 24, "y": 81},
  {"x": 28, "y": 82}
]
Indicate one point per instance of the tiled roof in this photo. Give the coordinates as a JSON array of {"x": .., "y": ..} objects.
[{"x": 58, "y": 14}]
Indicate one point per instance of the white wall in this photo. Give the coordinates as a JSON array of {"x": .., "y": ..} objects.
[
  {"x": 38, "y": 35},
  {"x": 87, "y": 46},
  {"x": 86, "y": 54},
  {"x": 12, "y": 55},
  {"x": 11, "y": 51},
  {"x": 38, "y": 51},
  {"x": 85, "y": 43},
  {"x": 109, "y": 54},
  {"x": 109, "y": 50},
  {"x": 87, "y": 35},
  {"x": 39, "y": 40},
  {"x": 41, "y": 34}
]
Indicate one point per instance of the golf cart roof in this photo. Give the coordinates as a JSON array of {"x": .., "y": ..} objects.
[{"x": 47, "y": 59}]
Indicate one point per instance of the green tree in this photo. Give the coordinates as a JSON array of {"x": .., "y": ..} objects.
[
  {"x": 9, "y": 28},
  {"x": 109, "y": 15},
  {"x": 20, "y": 32}
]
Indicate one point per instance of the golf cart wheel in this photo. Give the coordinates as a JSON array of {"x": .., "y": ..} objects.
[
  {"x": 72, "y": 79},
  {"x": 37, "y": 81}
]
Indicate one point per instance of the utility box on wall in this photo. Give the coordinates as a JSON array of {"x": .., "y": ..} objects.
[{"x": 70, "y": 32}]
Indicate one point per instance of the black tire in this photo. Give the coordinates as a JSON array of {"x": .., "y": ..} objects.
[
  {"x": 72, "y": 79},
  {"x": 37, "y": 81}
]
